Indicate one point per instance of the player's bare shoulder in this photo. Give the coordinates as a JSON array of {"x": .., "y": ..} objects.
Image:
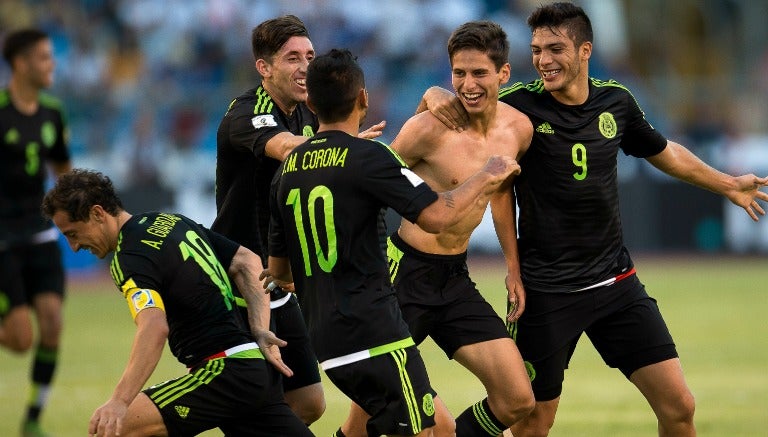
[
  {"x": 516, "y": 125},
  {"x": 421, "y": 135}
]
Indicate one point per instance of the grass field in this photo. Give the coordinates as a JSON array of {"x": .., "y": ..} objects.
[{"x": 715, "y": 307}]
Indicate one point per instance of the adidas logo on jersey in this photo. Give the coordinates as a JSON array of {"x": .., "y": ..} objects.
[
  {"x": 545, "y": 128},
  {"x": 183, "y": 411}
]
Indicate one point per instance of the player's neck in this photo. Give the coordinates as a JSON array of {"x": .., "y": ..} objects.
[
  {"x": 349, "y": 126},
  {"x": 287, "y": 106},
  {"x": 482, "y": 122},
  {"x": 23, "y": 96},
  {"x": 576, "y": 93}
]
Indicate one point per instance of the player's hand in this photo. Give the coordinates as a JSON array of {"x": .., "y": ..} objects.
[
  {"x": 446, "y": 107},
  {"x": 374, "y": 131},
  {"x": 515, "y": 297},
  {"x": 747, "y": 194},
  {"x": 270, "y": 283},
  {"x": 107, "y": 420},
  {"x": 270, "y": 346},
  {"x": 500, "y": 167}
]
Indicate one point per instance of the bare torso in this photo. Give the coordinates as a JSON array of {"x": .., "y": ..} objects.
[{"x": 445, "y": 159}]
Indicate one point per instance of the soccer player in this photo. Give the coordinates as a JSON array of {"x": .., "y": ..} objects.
[
  {"x": 259, "y": 129},
  {"x": 429, "y": 271},
  {"x": 570, "y": 239},
  {"x": 33, "y": 140},
  {"x": 175, "y": 276},
  {"x": 325, "y": 208}
]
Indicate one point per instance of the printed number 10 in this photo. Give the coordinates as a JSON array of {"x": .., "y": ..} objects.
[
  {"x": 579, "y": 156},
  {"x": 325, "y": 261}
]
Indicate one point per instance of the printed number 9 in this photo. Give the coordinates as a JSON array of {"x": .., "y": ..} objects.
[{"x": 579, "y": 156}]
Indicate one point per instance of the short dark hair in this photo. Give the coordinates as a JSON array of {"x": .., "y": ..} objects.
[
  {"x": 18, "y": 42},
  {"x": 333, "y": 83},
  {"x": 77, "y": 191},
  {"x": 554, "y": 15},
  {"x": 270, "y": 35},
  {"x": 485, "y": 36}
]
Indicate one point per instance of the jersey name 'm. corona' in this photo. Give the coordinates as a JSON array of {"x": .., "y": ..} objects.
[
  {"x": 161, "y": 227},
  {"x": 319, "y": 158}
]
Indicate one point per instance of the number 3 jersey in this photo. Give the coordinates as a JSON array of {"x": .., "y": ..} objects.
[
  {"x": 570, "y": 234},
  {"x": 167, "y": 261},
  {"x": 325, "y": 215},
  {"x": 27, "y": 143}
]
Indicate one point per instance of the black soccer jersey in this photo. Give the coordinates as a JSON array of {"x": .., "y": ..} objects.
[
  {"x": 186, "y": 265},
  {"x": 243, "y": 172},
  {"x": 27, "y": 142},
  {"x": 569, "y": 227},
  {"x": 325, "y": 210}
]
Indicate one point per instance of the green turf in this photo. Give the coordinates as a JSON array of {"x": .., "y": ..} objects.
[{"x": 715, "y": 308}]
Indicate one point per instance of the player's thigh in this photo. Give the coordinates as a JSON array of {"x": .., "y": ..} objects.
[
  {"x": 664, "y": 386},
  {"x": 498, "y": 365},
  {"x": 143, "y": 418}
]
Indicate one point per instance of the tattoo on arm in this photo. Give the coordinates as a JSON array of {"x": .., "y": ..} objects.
[{"x": 449, "y": 200}]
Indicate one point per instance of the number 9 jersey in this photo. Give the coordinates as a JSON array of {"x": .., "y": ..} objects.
[{"x": 569, "y": 227}]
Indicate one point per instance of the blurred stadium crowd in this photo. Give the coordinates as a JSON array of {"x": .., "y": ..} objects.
[{"x": 145, "y": 82}]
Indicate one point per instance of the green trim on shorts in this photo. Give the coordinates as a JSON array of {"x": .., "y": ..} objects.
[
  {"x": 391, "y": 347},
  {"x": 177, "y": 388},
  {"x": 394, "y": 255},
  {"x": 400, "y": 357}
]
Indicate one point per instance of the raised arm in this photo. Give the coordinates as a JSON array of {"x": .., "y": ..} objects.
[{"x": 744, "y": 191}]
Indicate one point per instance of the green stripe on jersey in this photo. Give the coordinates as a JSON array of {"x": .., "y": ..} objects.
[{"x": 264, "y": 102}]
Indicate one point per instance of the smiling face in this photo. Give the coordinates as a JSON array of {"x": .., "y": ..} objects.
[
  {"x": 284, "y": 76},
  {"x": 92, "y": 235},
  {"x": 562, "y": 66},
  {"x": 476, "y": 80}
]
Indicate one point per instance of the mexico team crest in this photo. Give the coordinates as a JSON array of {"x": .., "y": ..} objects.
[{"x": 607, "y": 125}]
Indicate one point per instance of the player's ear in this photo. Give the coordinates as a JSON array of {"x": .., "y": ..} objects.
[
  {"x": 585, "y": 50},
  {"x": 263, "y": 67},
  {"x": 97, "y": 214},
  {"x": 362, "y": 98},
  {"x": 505, "y": 73},
  {"x": 310, "y": 105}
]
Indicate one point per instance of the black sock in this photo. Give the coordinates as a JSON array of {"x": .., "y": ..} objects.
[
  {"x": 338, "y": 433},
  {"x": 478, "y": 421},
  {"x": 43, "y": 368}
]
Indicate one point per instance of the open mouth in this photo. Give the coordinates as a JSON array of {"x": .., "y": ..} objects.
[
  {"x": 548, "y": 74},
  {"x": 471, "y": 98}
]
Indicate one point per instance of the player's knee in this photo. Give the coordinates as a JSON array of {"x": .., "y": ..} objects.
[
  {"x": 536, "y": 424},
  {"x": 309, "y": 409},
  {"x": 680, "y": 411},
  {"x": 512, "y": 408},
  {"x": 18, "y": 344}
]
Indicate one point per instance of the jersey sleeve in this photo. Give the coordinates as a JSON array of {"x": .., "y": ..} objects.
[
  {"x": 224, "y": 248},
  {"x": 640, "y": 139},
  {"x": 138, "y": 281},
  {"x": 277, "y": 244},
  {"x": 251, "y": 128},
  {"x": 390, "y": 180}
]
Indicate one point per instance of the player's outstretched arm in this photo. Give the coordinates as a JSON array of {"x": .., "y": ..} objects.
[
  {"x": 452, "y": 206},
  {"x": 743, "y": 190}
]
